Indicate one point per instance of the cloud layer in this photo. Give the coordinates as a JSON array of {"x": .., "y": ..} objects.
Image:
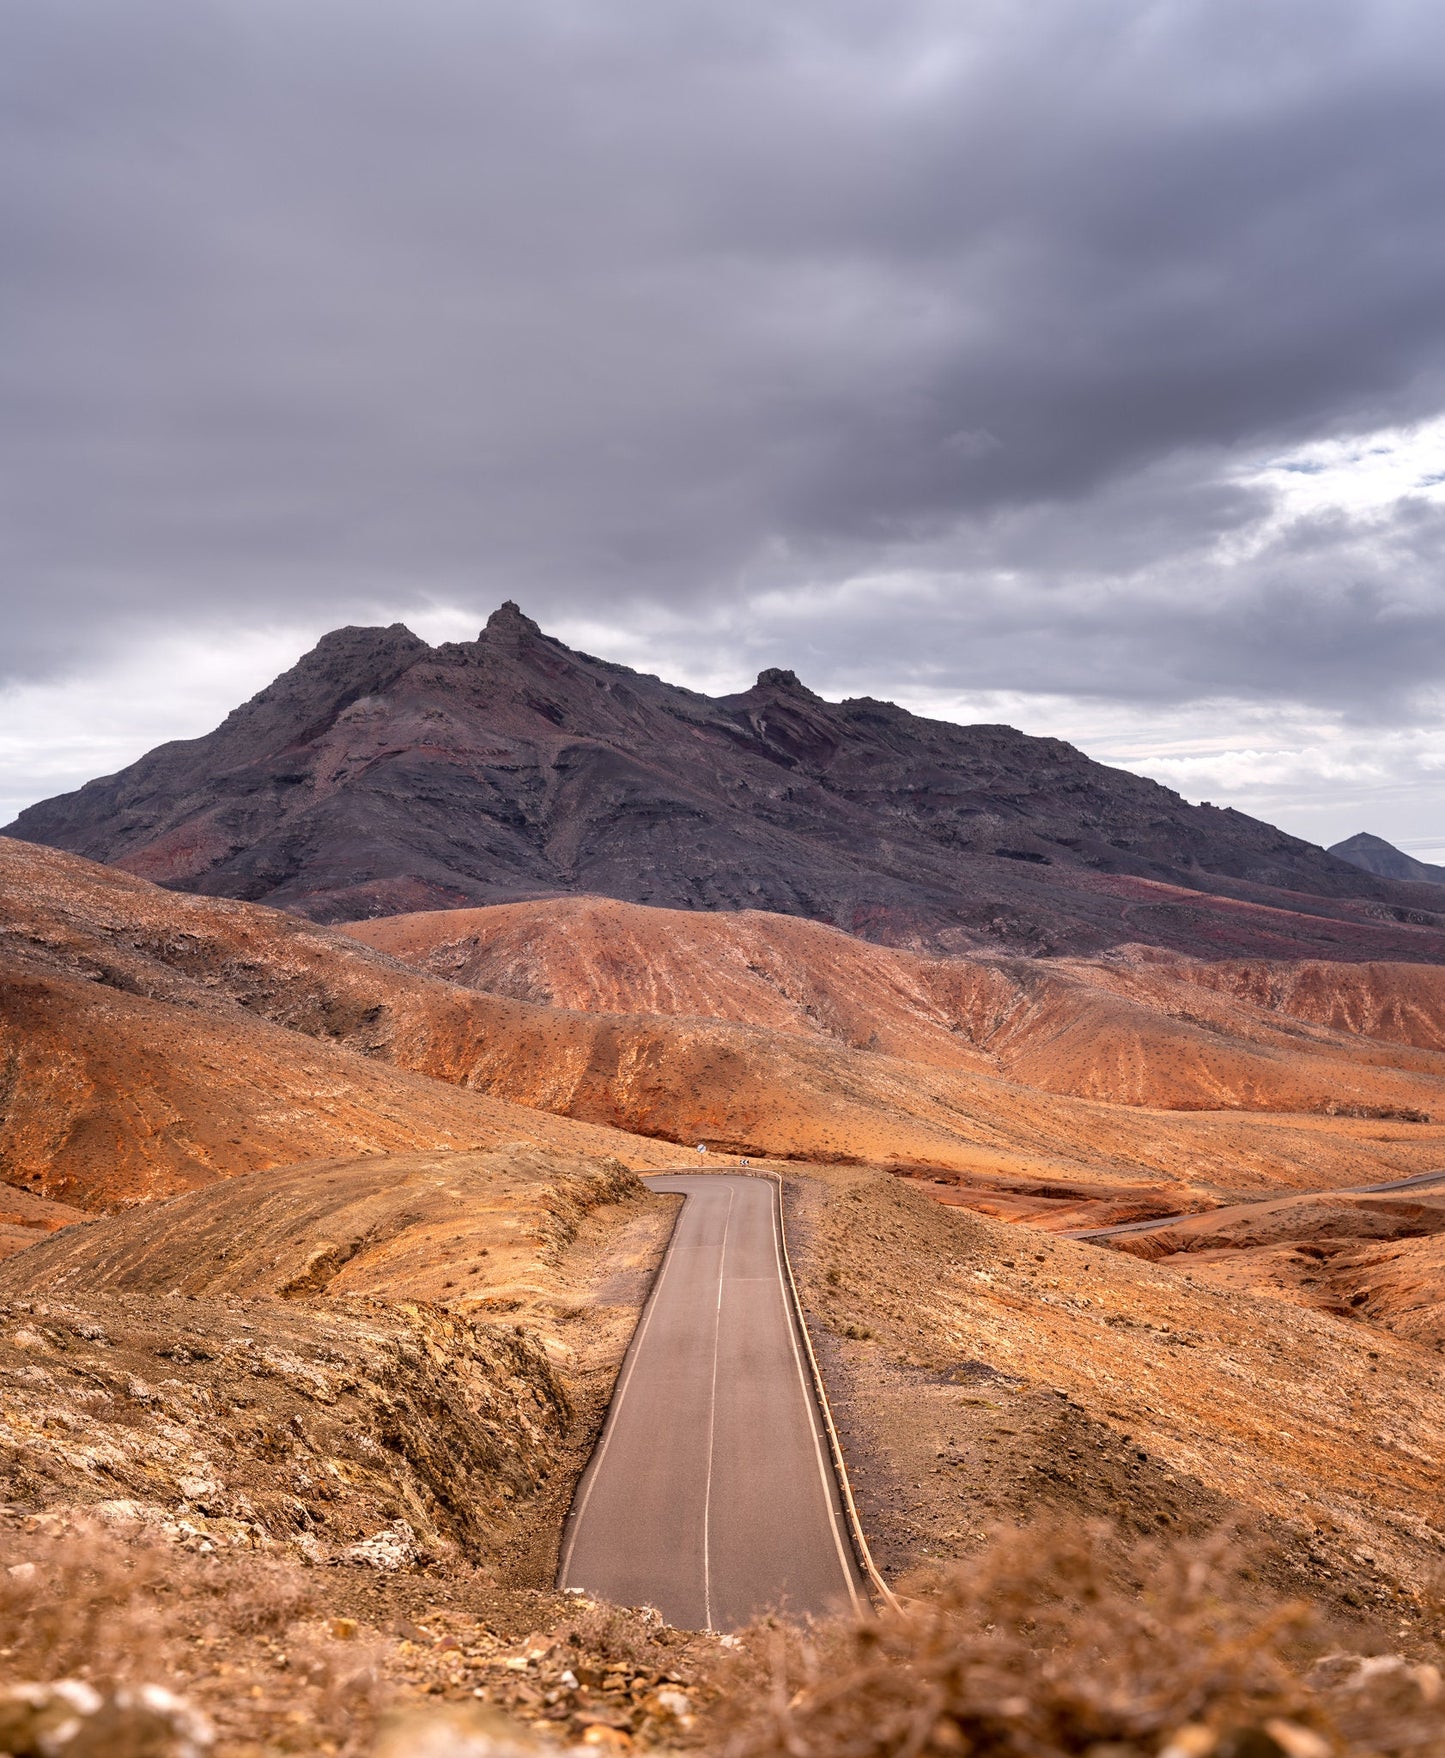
[{"x": 928, "y": 349}]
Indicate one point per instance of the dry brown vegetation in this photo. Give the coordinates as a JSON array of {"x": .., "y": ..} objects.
[
  {"x": 1053, "y": 1641},
  {"x": 266, "y": 1650},
  {"x": 1050, "y": 1643}
]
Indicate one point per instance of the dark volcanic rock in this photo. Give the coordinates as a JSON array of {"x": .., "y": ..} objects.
[
  {"x": 382, "y": 775},
  {"x": 1374, "y": 855}
]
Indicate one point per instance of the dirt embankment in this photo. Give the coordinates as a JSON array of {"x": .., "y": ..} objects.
[
  {"x": 988, "y": 1372},
  {"x": 300, "y": 1446},
  {"x": 367, "y": 1363}
]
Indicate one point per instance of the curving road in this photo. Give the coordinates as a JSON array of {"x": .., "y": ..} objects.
[
  {"x": 710, "y": 1494},
  {"x": 1416, "y": 1181}
]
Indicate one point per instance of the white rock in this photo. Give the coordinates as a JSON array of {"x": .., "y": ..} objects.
[{"x": 391, "y": 1548}]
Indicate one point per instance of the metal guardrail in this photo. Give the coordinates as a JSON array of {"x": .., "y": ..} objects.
[{"x": 858, "y": 1537}]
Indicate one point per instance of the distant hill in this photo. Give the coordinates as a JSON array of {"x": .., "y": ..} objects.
[
  {"x": 1372, "y": 854},
  {"x": 381, "y": 775}
]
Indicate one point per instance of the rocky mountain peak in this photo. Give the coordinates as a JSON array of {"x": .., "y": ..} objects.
[
  {"x": 1372, "y": 854},
  {"x": 380, "y": 775},
  {"x": 778, "y": 681},
  {"x": 508, "y": 626}
]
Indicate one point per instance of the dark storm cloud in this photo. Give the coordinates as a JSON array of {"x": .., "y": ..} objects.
[{"x": 317, "y": 307}]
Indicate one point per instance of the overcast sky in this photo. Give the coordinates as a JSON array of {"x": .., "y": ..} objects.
[{"x": 1079, "y": 363}]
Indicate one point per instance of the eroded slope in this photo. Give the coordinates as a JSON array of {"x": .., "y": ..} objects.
[
  {"x": 194, "y": 1037},
  {"x": 315, "y": 1356}
]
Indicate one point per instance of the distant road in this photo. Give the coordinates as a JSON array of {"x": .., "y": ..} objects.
[
  {"x": 710, "y": 1494},
  {"x": 1416, "y": 1181}
]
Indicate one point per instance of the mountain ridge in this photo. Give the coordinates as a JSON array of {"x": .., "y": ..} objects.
[{"x": 381, "y": 775}]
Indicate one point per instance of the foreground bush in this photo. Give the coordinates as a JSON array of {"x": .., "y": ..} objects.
[{"x": 1058, "y": 1640}]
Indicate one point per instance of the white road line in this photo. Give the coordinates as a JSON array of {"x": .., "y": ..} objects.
[
  {"x": 712, "y": 1419},
  {"x": 616, "y": 1404},
  {"x": 829, "y": 1481}
]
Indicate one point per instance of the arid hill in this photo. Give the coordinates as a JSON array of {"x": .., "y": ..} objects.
[
  {"x": 318, "y": 1290},
  {"x": 318, "y": 1403},
  {"x": 381, "y": 775},
  {"x": 1144, "y": 1029},
  {"x": 1378, "y": 1256},
  {"x": 151, "y": 1044},
  {"x": 158, "y": 1041},
  {"x": 1372, "y": 854},
  {"x": 985, "y": 1371}
]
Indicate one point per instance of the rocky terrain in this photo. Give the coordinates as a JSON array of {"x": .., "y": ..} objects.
[
  {"x": 296, "y": 1448},
  {"x": 1372, "y": 854},
  {"x": 381, "y": 775},
  {"x": 292, "y": 1433},
  {"x": 321, "y": 1418},
  {"x": 187, "y": 1039},
  {"x": 234, "y": 1359},
  {"x": 987, "y": 1371},
  {"x": 326, "y": 1246}
]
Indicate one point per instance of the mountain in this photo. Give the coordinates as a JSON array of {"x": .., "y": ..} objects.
[
  {"x": 380, "y": 775},
  {"x": 1372, "y": 854}
]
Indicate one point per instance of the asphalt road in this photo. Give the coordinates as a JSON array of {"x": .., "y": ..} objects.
[
  {"x": 710, "y": 1494},
  {"x": 1417, "y": 1180}
]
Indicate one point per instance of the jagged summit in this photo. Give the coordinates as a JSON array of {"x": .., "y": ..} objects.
[
  {"x": 380, "y": 774},
  {"x": 775, "y": 678},
  {"x": 508, "y": 624}
]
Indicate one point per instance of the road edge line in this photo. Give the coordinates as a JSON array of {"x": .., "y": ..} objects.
[{"x": 856, "y": 1535}]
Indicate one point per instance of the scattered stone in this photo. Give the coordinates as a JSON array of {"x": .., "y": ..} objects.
[
  {"x": 1296, "y": 1741},
  {"x": 71, "y": 1719},
  {"x": 1357, "y": 1672},
  {"x": 453, "y": 1730},
  {"x": 1193, "y": 1740}
]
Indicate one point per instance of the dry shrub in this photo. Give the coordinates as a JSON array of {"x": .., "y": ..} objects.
[
  {"x": 344, "y": 1683},
  {"x": 1056, "y": 1640},
  {"x": 121, "y": 1606},
  {"x": 113, "y": 1606},
  {"x": 604, "y": 1634},
  {"x": 82, "y": 1603}
]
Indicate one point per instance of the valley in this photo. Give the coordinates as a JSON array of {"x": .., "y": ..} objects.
[{"x": 324, "y": 1241}]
